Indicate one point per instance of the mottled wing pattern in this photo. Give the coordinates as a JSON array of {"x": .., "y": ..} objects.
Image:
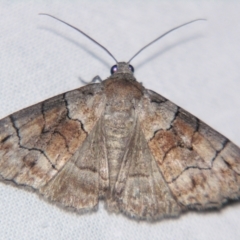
[
  {"x": 200, "y": 166},
  {"x": 140, "y": 190},
  {"x": 84, "y": 177},
  {"x": 41, "y": 141},
  {"x": 68, "y": 147}
]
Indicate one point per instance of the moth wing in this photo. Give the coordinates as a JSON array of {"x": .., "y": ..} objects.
[
  {"x": 140, "y": 190},
  {"x": 37, "y": 142},
  {"x": 84, "y": 178},
  {"x": 200, "y": 166}
]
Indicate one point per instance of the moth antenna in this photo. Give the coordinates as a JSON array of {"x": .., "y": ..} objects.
[
  {"x": 200, "y": 19},
  {"x": 81, "y": 33}
]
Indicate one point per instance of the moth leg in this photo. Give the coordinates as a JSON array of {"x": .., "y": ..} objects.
[{"x": 95, "y": 79}]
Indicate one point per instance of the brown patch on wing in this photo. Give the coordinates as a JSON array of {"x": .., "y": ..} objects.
[
  {"x": 161, "y": 143},
  {"x": 201, "y": 167},
  {"x": 38, "y": 141}
]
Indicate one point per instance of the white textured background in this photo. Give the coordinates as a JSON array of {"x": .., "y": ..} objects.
[{"x": 196, "y": 67}]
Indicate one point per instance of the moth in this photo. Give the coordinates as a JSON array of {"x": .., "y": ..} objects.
[{"x": 117, "y": 141}]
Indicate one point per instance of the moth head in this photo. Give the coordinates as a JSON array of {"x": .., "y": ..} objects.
[{"x": 122, "y": 67}]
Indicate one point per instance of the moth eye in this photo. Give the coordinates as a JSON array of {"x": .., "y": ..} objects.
[
  {"x": 131, "y": 68},
  {"x": 114, "y": 69}
]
